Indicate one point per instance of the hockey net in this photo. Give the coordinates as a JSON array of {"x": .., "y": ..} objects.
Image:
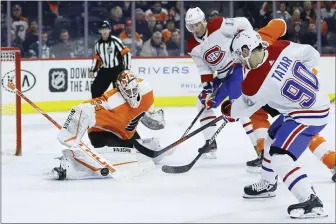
[{"x": 10, "y": 102}]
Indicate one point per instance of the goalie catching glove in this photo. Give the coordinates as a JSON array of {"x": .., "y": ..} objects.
[{"x": 154, "y": 119}]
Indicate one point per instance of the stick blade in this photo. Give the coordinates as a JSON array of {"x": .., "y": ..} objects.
[{"x": 175, "y": 169}]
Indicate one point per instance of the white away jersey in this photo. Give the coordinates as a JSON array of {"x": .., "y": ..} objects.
[
  {"x": 211, "y": 53},
  {"x": 285, "y": 82}
]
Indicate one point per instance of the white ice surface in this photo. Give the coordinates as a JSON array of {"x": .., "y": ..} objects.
[{"x": 210, "y": 192}]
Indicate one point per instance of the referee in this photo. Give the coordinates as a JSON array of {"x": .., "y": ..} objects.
[{"x": 111, "y": 58}]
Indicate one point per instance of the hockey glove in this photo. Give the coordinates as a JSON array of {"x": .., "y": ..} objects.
[
  {"x": 226, "y": 110},
  {"x": 206, "y": 95}
]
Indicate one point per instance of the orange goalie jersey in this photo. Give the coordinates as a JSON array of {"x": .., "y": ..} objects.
[{"x": 114, "y": 114}]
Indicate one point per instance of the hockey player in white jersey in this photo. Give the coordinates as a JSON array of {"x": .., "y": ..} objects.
[
  {"x": 209, "y": 48},
  {"x": 281, "y": 76}
]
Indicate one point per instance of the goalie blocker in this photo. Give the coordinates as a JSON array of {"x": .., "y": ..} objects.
[{"x": 111, "y": 121}]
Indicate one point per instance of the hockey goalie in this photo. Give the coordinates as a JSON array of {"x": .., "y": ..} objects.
[{"x": 111, "y": 121}]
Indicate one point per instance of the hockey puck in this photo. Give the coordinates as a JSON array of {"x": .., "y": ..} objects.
[{"x": 104, "y": 171}]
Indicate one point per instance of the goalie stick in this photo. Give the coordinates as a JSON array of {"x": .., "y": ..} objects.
[
  {"x": 108, "y": 168},
  {"x": 205, "y": 148}
]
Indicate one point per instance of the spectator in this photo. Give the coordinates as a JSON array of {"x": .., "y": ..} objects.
[
  {"x": 166, "y": 33},
  {"x": 308, "y": 15},
  {"x": 31, "y": 36},
  {"x": 142, "y": 5},
  {"x": 126, "y": 8},
  {"x": 265, "y": 15},
  {"x": 3, "y": 29},
  {"x": 33, "y": 51},
  {"x": 173, "y": 44},
  {"x": 79, "y": 49},
  {"x": 158, "y": 12},
  {"x": 126, "y": 36},
  {"x": 147, "y": 33},
  {"x": 174, "y": 12},
  {"x": 331, "y": 22},
  {"x": 328, "y": 11},
  {"x": 141, "y": 24},
  {"x": 159, "y": 27},
  {"x": 64, "y": 49},
  {"x": 213, "y": 14},
  {"x": 16, "y": 42},
  {"x": 116, "y": 21},
  {"x": 282, "y": 13},
  {"x": 19, "y": 23},
  {"x": 310, "y": 37},
  {"x": 295, "y": 19},
  {"x": 154, "y": 46},
  {"x": 296, "y": 35},
  {"x": 151, "y": 24}
]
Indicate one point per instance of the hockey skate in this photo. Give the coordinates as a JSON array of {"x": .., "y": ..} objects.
[
  {"x": 312, "y": 208},
  {"x": 211, "y": 152},
  {"x": 254, "y": 166},
  {"x": 59, "y": 173},
  {"x": 333, "y": 171},
  {"x": 261, "y": 189}
]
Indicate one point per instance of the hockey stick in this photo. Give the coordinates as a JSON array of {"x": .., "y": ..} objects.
[
  {"x": 201, "y": 111},
  {"x": 193, "y": 122},
  {"x": 333, "y": 100},
  {"x": 152, "y": 154},
  {"x": 108, "y": 168},
  {"x": 186, "y": 168}
]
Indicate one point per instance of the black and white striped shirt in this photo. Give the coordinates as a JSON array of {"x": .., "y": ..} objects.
[{"x": 111, "y": 53}]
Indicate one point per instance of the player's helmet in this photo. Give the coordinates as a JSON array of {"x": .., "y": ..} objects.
[
  {"x": 104, "y": 25},
  {"x": 245, "y": 39},
  {"x": 193, "y": 16},
  {"x": 128, "y": 86}
]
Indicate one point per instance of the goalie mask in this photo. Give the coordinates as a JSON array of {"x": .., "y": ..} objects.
[{"x": 128, "y": 86}]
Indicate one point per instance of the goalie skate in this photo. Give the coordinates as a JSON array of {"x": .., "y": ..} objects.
[
  {"x": 312, "y": 208},
  {"x": 58, "y": 173},
  {"x": 261, "y": 189}
]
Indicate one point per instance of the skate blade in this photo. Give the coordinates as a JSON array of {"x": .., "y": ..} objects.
[
  {"x": 316, "y": 213},
  {"x": 263, "y": 195},
  {"x": 251, "y": 169},
  {"x": 50, "y": 175}
]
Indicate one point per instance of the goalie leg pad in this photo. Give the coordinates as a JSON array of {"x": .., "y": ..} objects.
[
  {"x": 78, "y": 165},
  {"x": 79, "y": 120}
]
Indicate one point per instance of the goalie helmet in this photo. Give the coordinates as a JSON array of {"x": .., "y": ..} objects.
[{"x": 128, "y": 86}]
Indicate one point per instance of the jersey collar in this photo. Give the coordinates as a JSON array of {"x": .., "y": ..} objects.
[{"x": 205, "y": 36}]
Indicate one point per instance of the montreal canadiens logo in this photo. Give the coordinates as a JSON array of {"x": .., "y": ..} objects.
[{"x": 214, "y": 55}]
